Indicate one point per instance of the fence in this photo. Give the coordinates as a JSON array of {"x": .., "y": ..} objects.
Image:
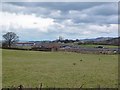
[{"x": 21, "y": 87}]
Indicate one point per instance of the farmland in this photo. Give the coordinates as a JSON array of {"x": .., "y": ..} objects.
[
  {"x": 59, "y": 69},
  {"x": 92, "y": 46}
]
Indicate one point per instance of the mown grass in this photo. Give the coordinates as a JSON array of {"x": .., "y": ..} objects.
[{"x": 59, "y": 69}]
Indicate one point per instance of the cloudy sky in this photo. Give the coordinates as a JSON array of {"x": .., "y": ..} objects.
[{"x": 49, "y": 20}]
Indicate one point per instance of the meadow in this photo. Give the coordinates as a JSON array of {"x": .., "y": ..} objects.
[{"x": 58, "y": 69}]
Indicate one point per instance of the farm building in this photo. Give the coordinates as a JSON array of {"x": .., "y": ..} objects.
[
  {"x": 25, "y": 44},
  {"x": 46, "y": 46},
  {"x": 53, "y": 46}
]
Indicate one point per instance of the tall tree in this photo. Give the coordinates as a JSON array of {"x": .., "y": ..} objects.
[{"x": 10, "y": 38}]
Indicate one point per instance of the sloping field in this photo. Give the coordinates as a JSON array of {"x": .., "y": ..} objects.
[{"x": 59, "y": 69}]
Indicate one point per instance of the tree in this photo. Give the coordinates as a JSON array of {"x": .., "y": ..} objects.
[{"x": 10, "y": 38}]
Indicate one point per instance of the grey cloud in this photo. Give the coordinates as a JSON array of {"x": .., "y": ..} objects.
[
  {"x": 6, "y": 7},
  {"x": 63, "y": 6},
  {"x": 105, "y": 9},
  {"x": 80, "y": 12},
  {"x": 102, "y": 14},
  {"x": 97, "y": 19},
  {"x": 95, "y": 12}
]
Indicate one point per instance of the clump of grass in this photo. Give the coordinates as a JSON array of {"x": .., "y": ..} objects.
[
  {"x": 99, "y": 59},
  {"x": 74, "y": 63},
  {"x": 81, "y": 60}
]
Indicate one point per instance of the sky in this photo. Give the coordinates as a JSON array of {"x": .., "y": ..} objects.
[{"x": 49, "y": 20}]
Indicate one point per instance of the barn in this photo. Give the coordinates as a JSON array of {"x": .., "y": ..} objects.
[{"x": 25, "y": 44}]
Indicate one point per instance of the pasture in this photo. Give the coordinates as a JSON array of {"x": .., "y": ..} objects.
[
  {"x": 58, "y": 69},
  {"x": 93, "y": 46}
]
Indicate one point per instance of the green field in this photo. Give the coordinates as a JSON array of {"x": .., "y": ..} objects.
[
  {"x": 59, "y": 69},
  {"x": 92, "y": 46}
]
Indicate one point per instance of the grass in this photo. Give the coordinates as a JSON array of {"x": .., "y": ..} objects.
[
  {"x": 0, "y": 68},
  {"x": 92, "y": 46},
  {"x": 59, "y": 69}
]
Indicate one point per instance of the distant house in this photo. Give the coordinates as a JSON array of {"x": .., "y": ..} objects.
[{"x": 25, "y": 44}]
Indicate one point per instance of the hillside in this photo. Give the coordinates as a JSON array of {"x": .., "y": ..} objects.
[{"x": 103, "y": 40}]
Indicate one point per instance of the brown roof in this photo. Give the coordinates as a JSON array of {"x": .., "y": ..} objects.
[{"x": 48, "y": 45}]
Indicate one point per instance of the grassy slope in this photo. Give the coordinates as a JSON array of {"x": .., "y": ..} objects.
[{"x": 30, "y": 68}]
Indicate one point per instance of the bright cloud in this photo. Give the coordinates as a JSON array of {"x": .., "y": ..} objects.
[{"x": 25, "y": 21}]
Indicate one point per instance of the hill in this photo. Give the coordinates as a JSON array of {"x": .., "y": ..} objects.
[{"x": 103, "y": 41}]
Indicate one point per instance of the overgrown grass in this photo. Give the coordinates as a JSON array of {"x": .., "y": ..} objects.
[{"x": 59, "y": 69}]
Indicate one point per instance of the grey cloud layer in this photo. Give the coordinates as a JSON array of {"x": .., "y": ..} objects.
[
  {"x": 100, "y": 13},
  {"x": 64, "y": 6}
]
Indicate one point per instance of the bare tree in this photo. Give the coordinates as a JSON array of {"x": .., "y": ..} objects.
[{"x": 10, "y": 38}]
